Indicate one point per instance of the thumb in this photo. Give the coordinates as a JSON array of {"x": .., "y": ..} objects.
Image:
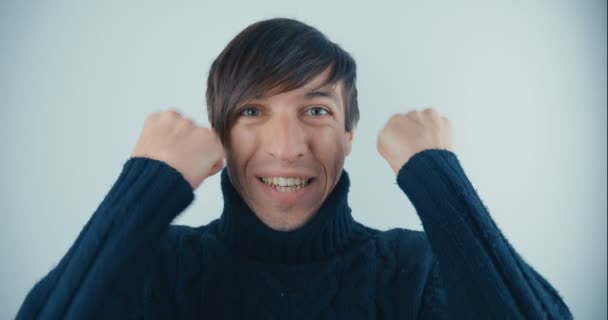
[{"x": 216, "y": 167}]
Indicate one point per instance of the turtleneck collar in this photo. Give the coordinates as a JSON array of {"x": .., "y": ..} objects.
[{"x": 327, "y": 233}]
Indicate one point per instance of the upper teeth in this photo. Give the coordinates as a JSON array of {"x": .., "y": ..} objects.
[{"x": 285, "y": 182}]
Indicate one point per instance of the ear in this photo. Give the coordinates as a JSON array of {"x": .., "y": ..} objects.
[{"x": 348, "y": 141}]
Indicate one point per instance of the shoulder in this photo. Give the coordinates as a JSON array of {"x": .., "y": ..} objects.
[
  {"x": 406, "y": 246},
  {"x": 404, "y": 262},
  {"x": 182, "y": 249},
  {"x": 180, "y": 232},
  {"x": 180, "y": 238},
  {"x": 177, "y": 260}
]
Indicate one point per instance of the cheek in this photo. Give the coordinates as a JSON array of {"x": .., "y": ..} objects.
[
  {"x": 334, "y": 140},
  {"x": 242, "y": 148},
  {"x": 330, "y": 148}
]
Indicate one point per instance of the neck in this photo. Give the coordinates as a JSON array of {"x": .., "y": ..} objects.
[{"x": 329, "y": 230}]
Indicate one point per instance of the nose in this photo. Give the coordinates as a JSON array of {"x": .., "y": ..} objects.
[{"x": 285, "y": 138}]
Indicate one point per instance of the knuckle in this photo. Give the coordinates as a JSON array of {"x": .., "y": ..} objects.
[
  {"x": 414, "y": 115},
  {"x": 172, "y": 113},
  {"x": 151, "y": 119},
  {"x": 151, "y": 116},
  {"x": 396, "y": 117},
  {"x": 186, "y": 121},
  {"x": 432, "y": 112}
]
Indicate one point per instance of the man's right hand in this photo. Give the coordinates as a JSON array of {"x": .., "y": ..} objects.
[{"x": 195, "y": 152}]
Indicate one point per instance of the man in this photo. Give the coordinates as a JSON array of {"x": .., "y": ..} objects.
[{"x": 282, "y": 103}]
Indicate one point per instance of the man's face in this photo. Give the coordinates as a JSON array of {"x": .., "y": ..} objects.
[{"x": 287, "y": 152}]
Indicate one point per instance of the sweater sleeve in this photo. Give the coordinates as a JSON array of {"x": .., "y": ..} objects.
[
  {"x": 103, "y": 273},
  {"x": 478, "y": 273}
]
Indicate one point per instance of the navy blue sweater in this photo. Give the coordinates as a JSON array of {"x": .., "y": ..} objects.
[{"x": 129, "y": 262}]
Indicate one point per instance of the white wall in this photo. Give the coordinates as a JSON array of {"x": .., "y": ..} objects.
[{"x": 524, "y": 84}]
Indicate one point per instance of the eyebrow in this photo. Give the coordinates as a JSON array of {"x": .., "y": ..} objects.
[{"x": 324, "y": 91}]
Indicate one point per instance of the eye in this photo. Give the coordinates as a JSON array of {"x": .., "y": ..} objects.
[
  {"x": 250, "y": 112},
  {"x": 317, "y": 111}
]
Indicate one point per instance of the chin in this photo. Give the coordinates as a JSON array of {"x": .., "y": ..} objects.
[{"x": 283, "y": 219}]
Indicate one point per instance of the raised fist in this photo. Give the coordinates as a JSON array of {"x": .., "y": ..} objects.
[
  {"x": 195, "y": 152},
  {"x": 407, "y": 134}
]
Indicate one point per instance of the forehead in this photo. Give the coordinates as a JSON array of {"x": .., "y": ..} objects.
[{"x": 317, "y": 87}]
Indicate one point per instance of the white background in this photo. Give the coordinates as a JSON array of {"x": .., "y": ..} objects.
[{"x": 523, "y": 82}]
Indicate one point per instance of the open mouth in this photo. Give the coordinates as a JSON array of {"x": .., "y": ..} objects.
[{"x": 286, "y": 184}]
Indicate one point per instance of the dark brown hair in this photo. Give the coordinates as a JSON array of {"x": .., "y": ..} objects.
[{"x": 274, "y": 56}]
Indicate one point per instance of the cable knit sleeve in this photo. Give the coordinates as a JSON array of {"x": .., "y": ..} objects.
[
  {"x": 478, "y": 274},
  {"x": 102, "y": 275}
]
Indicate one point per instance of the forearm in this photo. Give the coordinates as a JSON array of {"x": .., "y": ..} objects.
[
  {"x": 113, "y": 250},
  {"x": 480, "y": 271}
]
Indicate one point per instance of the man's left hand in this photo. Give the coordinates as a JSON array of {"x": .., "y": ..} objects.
[{"x": 404, "y": 135}]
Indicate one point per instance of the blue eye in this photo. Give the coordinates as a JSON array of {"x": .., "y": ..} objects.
[
  {"x": 317, "y": 111},
  {"x": 250, "y": 112}
]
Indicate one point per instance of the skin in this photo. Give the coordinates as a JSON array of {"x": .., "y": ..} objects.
[
  {"x": 299, "y": 133},
  {"x": 195, "y": 152},
  {"x": 404, "y": 135}
]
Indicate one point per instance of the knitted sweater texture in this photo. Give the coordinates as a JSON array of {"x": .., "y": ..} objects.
[{"x": 128, "y": 262}]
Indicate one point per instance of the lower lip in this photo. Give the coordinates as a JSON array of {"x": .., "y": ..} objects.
[{"x": 286, "y": 197}]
